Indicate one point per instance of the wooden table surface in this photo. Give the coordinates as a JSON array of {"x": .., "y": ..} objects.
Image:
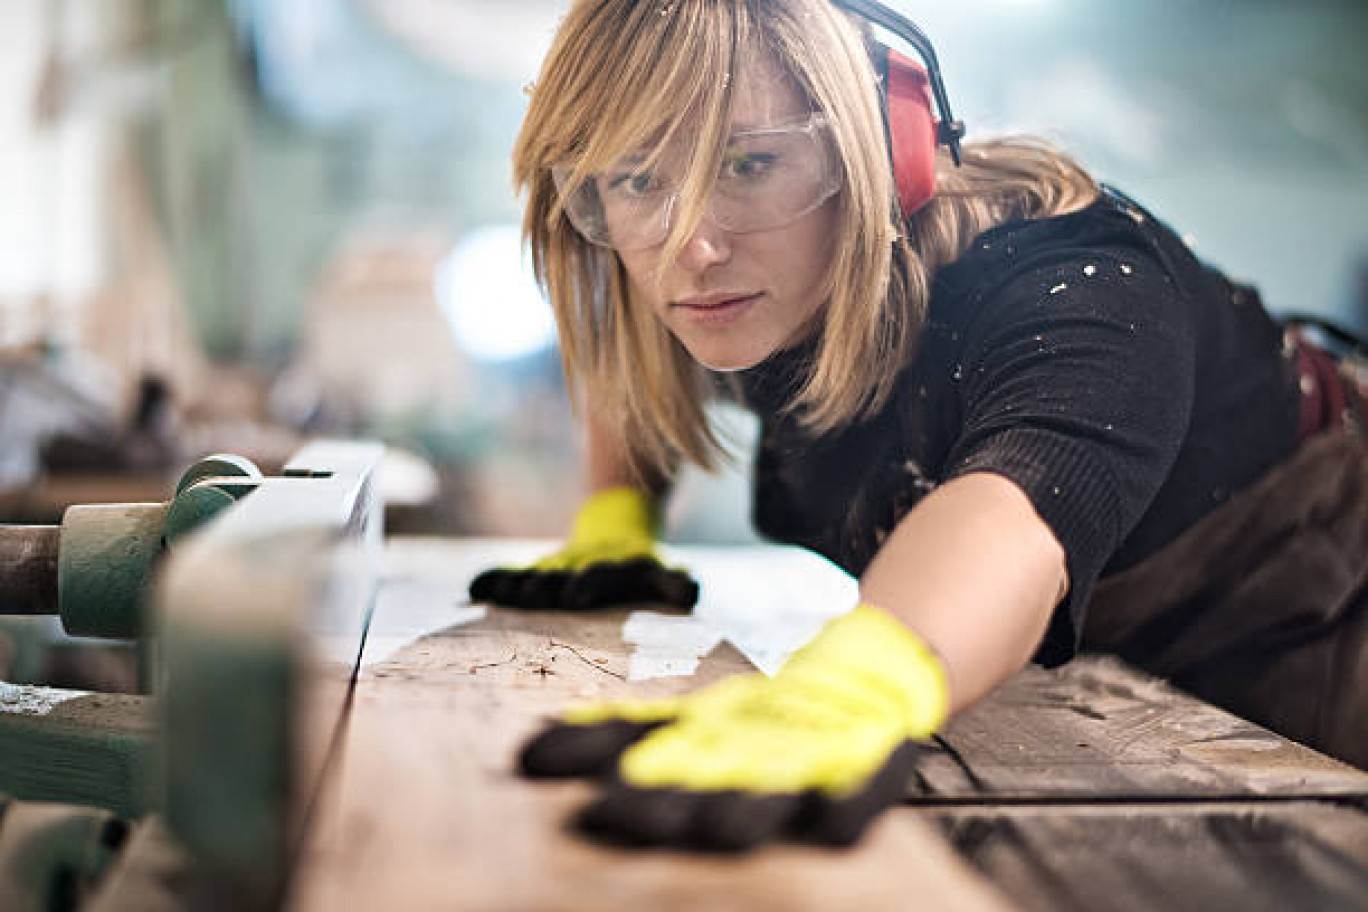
[{"x": 1090, "y": 787}]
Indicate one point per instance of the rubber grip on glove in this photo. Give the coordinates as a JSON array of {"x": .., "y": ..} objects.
[
  {"x": 736, "y": 820},
  {"x": 596, "y": 586},
  {"x": 563, "y": 751}
]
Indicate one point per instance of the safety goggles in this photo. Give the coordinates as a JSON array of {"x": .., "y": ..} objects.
[{"x": 769, "y": 178}]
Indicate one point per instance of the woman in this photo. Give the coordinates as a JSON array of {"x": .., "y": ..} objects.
[{"x": 980, "y": 400}]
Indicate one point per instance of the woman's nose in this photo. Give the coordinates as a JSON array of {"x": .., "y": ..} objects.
[{"x": 708, "y": 246}]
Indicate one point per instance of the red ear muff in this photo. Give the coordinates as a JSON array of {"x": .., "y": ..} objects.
[{"x": 911, "y": 131}]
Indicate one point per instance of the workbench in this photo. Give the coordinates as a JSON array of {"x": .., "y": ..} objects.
[{"x": 1089, "y": 787}]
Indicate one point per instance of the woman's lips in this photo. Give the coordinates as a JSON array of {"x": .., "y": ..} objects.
[{"x": 717, "y": 309}]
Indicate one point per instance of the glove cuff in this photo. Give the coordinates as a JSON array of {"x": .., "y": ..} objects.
[
  {"x": 614, "y": 514},
  {"x": 883, "y": 654}
]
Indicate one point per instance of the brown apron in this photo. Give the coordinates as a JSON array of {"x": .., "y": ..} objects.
[{"x": 1262, "y": 606}]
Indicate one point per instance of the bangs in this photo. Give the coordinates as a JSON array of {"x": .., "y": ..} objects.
[
  {"x": 660, "y": 72},
  {"x": 647, "y": 81}
]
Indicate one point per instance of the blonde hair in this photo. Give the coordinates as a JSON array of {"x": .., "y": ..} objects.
[{"x": 663, "y": 68}]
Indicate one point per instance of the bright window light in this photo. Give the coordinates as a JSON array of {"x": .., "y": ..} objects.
[{"x": 486, "y": 290}]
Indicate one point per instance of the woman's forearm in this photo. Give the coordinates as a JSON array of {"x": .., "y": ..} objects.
[
  {"x": 975, "y": 572},
  {"x": 608, "y": 461}
]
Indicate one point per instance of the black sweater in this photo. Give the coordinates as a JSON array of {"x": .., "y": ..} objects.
[{"x": 1090, "y": 358}]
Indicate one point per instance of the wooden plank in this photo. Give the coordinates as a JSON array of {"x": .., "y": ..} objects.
[
  {"x": 1252, "y": 856},
  {"x": 1094, "y": 728},
  {"x": 1098, "y": 729},
  {"x": 427, "y": 812}
]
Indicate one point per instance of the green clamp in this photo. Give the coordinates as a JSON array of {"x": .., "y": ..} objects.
[
  {"x": 206, "y": 489},
  {"x": 220, "y": 465},
  {"x": 109, "y": 551}
]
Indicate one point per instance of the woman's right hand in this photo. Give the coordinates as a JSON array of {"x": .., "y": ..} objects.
[{"x": 610, "y": 559}]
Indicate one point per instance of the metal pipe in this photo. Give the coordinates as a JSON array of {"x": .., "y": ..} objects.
[{"x": 28, "y": 569}]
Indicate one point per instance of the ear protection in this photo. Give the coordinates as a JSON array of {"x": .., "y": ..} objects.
[{"x": 909, "y": 91}]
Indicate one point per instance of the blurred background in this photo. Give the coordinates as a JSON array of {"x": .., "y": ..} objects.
[{"x": 235, "y": 224}]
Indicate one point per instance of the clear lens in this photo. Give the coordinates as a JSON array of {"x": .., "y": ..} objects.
[
  {"x": 768, "y": 179},
  {"x": 625, "y": 209},
  {"x": 773, "y": 177}
]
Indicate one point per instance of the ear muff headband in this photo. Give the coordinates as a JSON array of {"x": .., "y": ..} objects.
[{"x": 914, "y": 130}]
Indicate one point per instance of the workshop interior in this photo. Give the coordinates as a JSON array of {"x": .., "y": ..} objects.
[{"x": 266, "y": 308}]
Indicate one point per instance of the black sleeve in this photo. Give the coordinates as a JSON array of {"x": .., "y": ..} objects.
[{"x": 1076, "y": 383}]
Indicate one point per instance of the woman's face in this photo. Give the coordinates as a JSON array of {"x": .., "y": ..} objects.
[{"x": 734, "y": 299}]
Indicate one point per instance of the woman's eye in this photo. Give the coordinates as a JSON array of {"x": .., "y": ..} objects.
[
  {"x": 750, "y": 167},
  {"x": 637, "y": 183}
]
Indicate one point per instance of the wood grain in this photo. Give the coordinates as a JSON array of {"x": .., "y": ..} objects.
[
  {"x": 427, "y": 813},
  {"x": 1098, "y": 729},
  {"x": 1252, "y": 856}
]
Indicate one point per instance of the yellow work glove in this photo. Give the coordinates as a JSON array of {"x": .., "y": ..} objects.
[
  {"x": 609, "y": 559},
  {"x": 814, "y": 753}
]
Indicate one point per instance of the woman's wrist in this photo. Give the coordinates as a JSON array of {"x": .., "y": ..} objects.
[{"x": 617, "y": 513}]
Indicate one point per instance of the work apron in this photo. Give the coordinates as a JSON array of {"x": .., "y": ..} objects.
[{"x": 1262, "y": 606}]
